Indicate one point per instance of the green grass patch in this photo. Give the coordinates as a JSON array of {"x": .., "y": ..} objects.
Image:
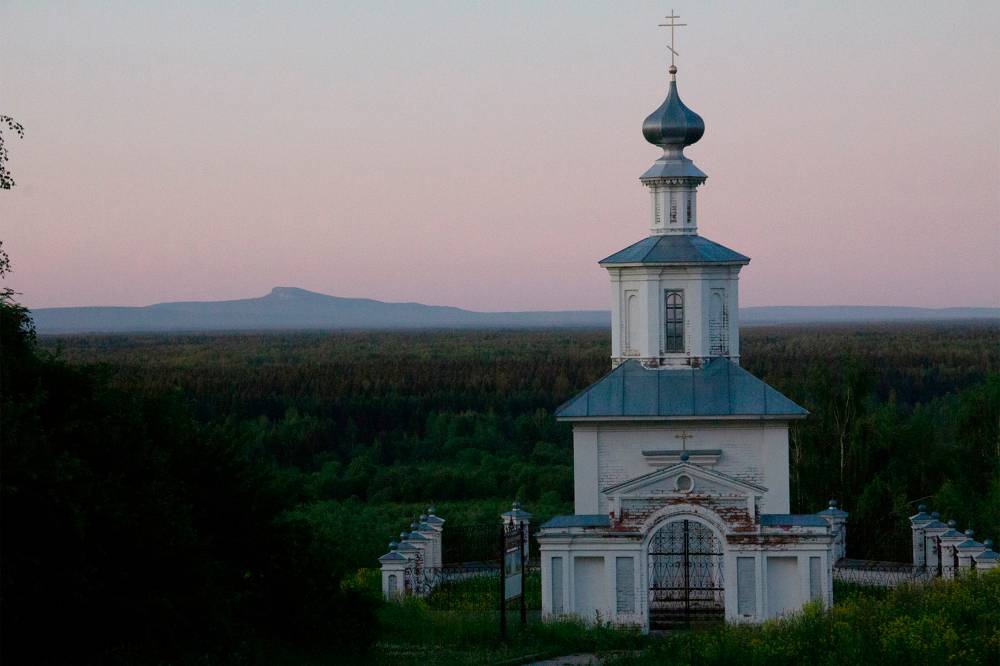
[{"x": 944, "y": 622}]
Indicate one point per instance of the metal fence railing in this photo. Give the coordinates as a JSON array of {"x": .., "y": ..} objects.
[
  {"x": 874, "y": 573},
  {"x": 470, "y": 588}
]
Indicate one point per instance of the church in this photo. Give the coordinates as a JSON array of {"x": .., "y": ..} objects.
[{"x": 681, "y": 468}]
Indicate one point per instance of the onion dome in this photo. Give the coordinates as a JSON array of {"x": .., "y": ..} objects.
[{"x": 673, "y": 124}]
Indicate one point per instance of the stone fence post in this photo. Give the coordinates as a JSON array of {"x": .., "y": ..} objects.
[
  {"x": 837, "y": 520},
  {"x": 406, "y": 567},
  {"x": 967, "y": 550},
  {"x": 949, "y": 554},
  {"x": 918, "y": 523},
  {"x": 435, "y": 525},
  {"x": 393, "y": 566},
  {"x": 519, "y": 518},
  {"x": 932, "y": 547},
  {"x": 987, "y": 559}
]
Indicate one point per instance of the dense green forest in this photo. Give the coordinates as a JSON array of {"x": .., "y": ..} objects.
[
  {"x": 900, "y": 415},
  {"x": 174, "y": 493}
]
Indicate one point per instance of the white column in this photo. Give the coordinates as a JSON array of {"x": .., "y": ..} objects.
[
  {"x": 393, "y": 565},
  {"x": 917, "y": 524},
  {"x": 837, "y": 520}
]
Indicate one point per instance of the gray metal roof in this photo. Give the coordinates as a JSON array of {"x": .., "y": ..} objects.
[
  {"x": 791, "y": 520},
  {"x": 718, "y": 388},
  {"x": 393, "y": 556},
  {"x": 673, "y": 123},
  {"x": 583, "y": 520},
  {"x": 970, "y": 543},
  {"x": 675, "y": 249},
  {"x": 673, "y": 166}
]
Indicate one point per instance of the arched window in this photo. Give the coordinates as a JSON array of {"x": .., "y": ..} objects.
[
  {"x": 392, "y": 585},
  {"x": 673, "y": 335},
  {"x": 632, "y": 323},
  {"x": 718, "y": 324}
]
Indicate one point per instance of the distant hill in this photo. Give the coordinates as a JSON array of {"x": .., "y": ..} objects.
[{"x": 288, "y": 308}]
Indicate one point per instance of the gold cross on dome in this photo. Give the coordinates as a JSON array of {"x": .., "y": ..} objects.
[
  {"x": 684, "y": 437},
  {"x": 672, "y": 24}
]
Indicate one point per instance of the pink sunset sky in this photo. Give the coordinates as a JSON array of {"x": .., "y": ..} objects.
[{"x": 487, "y": 155}]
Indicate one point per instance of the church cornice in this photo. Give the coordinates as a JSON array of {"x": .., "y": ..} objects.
[{"x": 678, "y": 181}]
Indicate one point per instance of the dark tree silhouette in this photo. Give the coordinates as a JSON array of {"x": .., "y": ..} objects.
[{"x": 6, "y": 179}]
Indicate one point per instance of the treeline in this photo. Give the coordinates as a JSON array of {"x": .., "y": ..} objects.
[
  {"x": 900, "y": 413},
  {"x": 178, "y": 493}
]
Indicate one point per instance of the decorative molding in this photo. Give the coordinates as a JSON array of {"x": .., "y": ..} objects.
[
  {"x": 676, "y": 181},
  {"x": 660, "y": 458}
]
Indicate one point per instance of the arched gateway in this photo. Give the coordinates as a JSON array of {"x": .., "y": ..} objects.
[{"x": 685, "y": 575}]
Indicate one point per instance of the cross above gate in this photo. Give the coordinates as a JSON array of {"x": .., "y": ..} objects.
[{"x": 684, "y": 437}]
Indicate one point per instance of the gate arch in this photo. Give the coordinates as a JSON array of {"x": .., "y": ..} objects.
[{"x": 685, "y": 574}]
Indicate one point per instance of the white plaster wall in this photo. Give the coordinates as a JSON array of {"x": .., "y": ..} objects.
[
  {"x": 590, "y": 594},
  {"x": 589, "y": 587},
  {"x": 775, "y": 467},
  {"x": 783, "y": 584},
  {"x": 650, "y": 282},
  {"x": 608, "y": 454},
  {"x": 585, "y": 471},
  {"x": 780, "y": 588}
]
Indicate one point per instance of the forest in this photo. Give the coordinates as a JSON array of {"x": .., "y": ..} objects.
[{"x": 184, "y": 492}]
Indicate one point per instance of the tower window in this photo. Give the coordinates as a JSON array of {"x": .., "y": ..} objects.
[
  {"x": 673, "y": 338},
  {"x": 673, "y": 208},
  {"x": 690, "y": 205}
]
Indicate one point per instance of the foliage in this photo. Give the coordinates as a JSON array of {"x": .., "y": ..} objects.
[
  {"x": 411, "y": 632},
  {"x": 6, "y": 179},
  {"x": 132, "y": 531},
  {"x": 901, "y": 414},
  {"x": 210, "y": 494},
  {"x": 945, "y": 622}
]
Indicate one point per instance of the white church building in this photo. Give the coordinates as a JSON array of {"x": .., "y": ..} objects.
[{"x": 680, "y": 456}]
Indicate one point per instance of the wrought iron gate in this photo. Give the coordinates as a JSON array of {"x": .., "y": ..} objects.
[{"x": 686, "y": 585}]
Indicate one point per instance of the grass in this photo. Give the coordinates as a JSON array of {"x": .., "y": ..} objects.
[
  {"x": 412, "y": 633},
  {"x": 943, "y": 622}
]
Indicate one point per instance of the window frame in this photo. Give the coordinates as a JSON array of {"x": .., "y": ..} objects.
[{"x": 673, "y": 326}]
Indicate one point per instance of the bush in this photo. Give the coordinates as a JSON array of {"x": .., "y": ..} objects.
[{"x": 943, "y": 622}]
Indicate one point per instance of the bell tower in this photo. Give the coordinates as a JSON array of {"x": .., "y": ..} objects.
[{"x": 675, "y": 293}]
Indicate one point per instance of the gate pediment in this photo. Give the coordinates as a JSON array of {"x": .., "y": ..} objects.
[{"x": 684, "y": 479}]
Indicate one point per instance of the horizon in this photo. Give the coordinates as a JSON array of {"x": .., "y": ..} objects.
[
  {"x": 432, "y": 304},
  {"x": 445, "y": 305},
  {"x": 485, "y": 157}
]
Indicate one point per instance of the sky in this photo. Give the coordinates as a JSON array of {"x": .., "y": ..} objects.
[{"x": 487, "y": 155}]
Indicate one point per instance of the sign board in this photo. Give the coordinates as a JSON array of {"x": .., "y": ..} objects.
[{"x": 513, "y": 564}]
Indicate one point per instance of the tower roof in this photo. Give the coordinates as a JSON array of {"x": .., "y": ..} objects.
[
  {"x": 720, "y": 388},
  {"x": 673, "y": 124},
  {"x": 675, "y": 249}
]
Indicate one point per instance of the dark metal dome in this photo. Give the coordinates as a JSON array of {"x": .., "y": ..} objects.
[{"x": 673, "y": 124}]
